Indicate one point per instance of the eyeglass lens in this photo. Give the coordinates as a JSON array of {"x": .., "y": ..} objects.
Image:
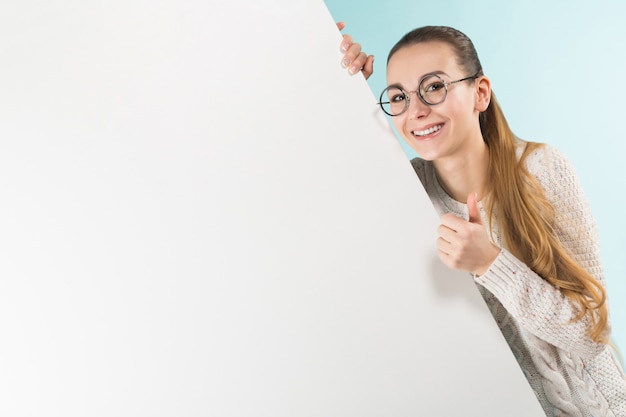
[{"x": 431, "y": 90}]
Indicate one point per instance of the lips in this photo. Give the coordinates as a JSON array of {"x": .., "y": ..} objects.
[{"x": 428, "y": 131}]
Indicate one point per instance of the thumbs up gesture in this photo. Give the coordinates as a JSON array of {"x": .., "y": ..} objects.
[{"x": 464, "y": 244}]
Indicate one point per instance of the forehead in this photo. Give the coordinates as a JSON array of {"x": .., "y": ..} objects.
[{"x": 410, "y": 63}]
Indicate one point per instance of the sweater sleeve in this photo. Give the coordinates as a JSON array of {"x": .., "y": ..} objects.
[{"x": 541, "y": 308}]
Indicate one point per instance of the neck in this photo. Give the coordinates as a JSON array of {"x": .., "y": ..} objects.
[{"x": 464, "y": 173}]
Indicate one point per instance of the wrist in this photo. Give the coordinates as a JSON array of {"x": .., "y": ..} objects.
[{"x": 491, "y": 259}]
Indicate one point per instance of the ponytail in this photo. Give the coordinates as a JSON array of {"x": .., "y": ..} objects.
[{"x": 527, "y": 221}]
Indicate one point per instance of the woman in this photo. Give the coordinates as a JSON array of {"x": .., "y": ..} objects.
[{"x": 512, "y": 214}]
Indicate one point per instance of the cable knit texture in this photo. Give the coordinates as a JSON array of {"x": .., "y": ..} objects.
[{"x": 570, "y": 374}]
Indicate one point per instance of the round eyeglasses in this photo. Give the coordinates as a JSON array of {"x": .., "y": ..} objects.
[{"x": 431, "y": 90}]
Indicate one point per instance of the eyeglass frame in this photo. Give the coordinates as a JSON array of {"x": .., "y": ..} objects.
[{"x": 407, "y": 94}]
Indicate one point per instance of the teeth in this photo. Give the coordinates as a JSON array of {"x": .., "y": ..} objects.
[{"x": 427, "y": 131}]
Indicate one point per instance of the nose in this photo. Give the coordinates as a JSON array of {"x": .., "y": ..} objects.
[{"x": 417, "y": 108}]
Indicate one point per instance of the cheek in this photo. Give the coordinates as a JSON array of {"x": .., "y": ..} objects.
[{"x": 459, "y": 110}]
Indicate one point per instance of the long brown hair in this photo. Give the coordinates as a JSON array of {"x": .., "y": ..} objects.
[{"x": 525, "y": 217}]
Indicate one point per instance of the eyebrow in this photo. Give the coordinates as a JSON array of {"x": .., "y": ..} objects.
[{"x": 438, "y": 72}]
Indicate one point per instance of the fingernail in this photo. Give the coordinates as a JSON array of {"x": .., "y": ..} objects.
[
  {"x": 345, "y": 46},
  {"x": 345, "y": 63},
  {"x": 353, "y": 69}
]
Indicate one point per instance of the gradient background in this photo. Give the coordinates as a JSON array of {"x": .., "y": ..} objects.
[{"x": 559, "y": 72}]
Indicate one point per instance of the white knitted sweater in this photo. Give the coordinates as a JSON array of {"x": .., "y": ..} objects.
[{"x": 570, "y": 374}]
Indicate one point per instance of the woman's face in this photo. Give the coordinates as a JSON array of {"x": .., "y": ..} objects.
[{"x": 443, "y": 130}]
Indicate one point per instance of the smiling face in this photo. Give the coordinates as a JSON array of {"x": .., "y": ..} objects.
[{"x": 448, "y": 129}]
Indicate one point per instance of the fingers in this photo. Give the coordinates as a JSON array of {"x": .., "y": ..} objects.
[
  {"x": 354, "y": 59},
  {"x": 452, "y": 222},
  {"x": 447, "y": 234},
  {"x": 454, "y": 238},
  {"x": 465, "y": 245},
  {"x": 347, "y": 43}
]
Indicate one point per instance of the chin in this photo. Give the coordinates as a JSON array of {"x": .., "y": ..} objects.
[{"x": 425, "y": 155}]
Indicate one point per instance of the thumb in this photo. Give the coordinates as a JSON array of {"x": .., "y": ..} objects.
[
  {"x": 472, "y": 209},
  {"x": 368, "y": 68}
]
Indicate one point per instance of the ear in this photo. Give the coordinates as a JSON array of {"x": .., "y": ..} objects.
[{"x": 483, "y": 93}]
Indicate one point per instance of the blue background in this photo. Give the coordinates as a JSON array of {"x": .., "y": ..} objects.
[{"x": 559, "y": 72}]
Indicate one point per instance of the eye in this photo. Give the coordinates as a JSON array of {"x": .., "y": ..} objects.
[
  {"x": 397, "y": 98},
  {"x": 433, "y": 86},
  {"x": 393, "y": 100}
]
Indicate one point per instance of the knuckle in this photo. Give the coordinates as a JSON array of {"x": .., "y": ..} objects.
[{"x": 355, "y": 49}]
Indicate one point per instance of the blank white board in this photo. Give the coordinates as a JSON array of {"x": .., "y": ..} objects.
[{"x": 186, "y": 229}]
